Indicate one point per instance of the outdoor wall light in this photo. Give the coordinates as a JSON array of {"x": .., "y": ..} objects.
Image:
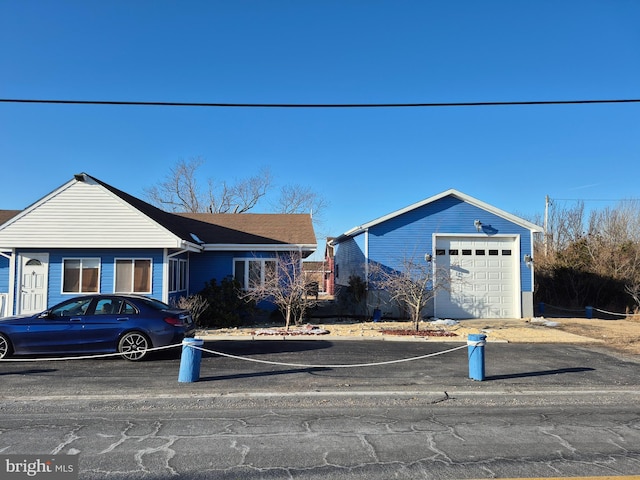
[
  {"x": 528, "y": 259},
  {"x": 477, "y": 224},
  {"x": 427, "y": 257}
]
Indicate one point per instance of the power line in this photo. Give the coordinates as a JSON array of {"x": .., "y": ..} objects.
[
  {"x": 315, "y": 105},
  {"x": 597, "y": 199}
]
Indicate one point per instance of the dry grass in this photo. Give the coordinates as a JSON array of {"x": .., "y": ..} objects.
[{"x": 622, "y": 335}]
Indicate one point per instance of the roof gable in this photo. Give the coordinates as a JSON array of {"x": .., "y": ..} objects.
[
  {"x": 451, "y": 192},
  {"x": 82, "y": 214}
]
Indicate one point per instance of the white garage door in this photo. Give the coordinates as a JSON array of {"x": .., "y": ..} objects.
[{"x": 481, "y": 275}]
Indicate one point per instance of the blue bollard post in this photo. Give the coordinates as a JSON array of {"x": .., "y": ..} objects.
[
  {"x": 475, "y": 348},
  {"x": 541, "y": 308},
  {"x": 190, "y": 360},
  {"x": 589, "y": 311}
]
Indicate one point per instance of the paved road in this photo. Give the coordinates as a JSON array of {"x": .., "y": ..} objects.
[{"x": 546, "y": 410}]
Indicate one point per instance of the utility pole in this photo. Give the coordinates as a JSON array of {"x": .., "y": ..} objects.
[{"x": 546, "y": 225}]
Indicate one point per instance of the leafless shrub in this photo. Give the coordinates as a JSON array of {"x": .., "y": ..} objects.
[{"x": 196, "y": 304}]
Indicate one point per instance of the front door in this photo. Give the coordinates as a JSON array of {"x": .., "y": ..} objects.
[{"x": 33, "y": 282}]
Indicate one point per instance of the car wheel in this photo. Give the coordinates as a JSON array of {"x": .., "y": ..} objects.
[
  {"x": 5, "y": 346},
  {"x": 133, "y": 346}
]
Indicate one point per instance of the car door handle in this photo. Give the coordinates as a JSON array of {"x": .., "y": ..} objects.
[
  {"x": 122, "y": 319},
  {"x": 75, "y": 319}
]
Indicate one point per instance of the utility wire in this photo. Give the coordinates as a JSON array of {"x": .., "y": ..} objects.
[
  {"x": 314, "y": 105},
  {"x": 634, "y": 199}
]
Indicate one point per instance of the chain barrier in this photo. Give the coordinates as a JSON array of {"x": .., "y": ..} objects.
[
  {"x": 615, "y": 313},
  {"x": 286, "y": 364},
  {"x": 237, "y": 357},
  {"x": 564, "y": 309},
  {"x": 87, "y": 357},
  {"x": 594, "y": 308}
]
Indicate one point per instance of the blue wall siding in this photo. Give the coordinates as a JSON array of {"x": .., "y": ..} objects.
[
  {"x": 209, "y": 265},
  {"x": 107, "y": 267},
  {"x": 350, "y": 259},
  {"x": 411, "y": 235}
]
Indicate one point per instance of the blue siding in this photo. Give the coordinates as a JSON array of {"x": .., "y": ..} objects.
[
  {"x": 410, "y": 235},
  {"x": 206, "y": 266},
  {"x": 350, "y": 259},
  {"x": 107, "y": 268}
]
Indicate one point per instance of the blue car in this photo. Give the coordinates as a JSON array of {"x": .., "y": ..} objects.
[{"x": 126, "y": 324}]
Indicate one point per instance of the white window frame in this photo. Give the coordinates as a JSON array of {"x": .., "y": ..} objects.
[
  {"x": 133, "y": 269},
  {"x": 81, "y": 260},
  {"x": 247, "y": 261}
]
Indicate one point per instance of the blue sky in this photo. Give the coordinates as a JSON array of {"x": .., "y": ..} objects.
[{"x": 365, "y": 162}]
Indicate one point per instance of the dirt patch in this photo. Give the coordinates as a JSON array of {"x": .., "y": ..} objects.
[
  {"x": 418, "y": 333},
  {"x": 622, "y": 335}
]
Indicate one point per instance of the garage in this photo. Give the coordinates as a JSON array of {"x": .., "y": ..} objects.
[
  {"x": 480, "y": 255},
  {"x": 478, "y": 276}
]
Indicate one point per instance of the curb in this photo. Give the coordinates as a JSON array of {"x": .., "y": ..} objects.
[{"x": 385, "y": 338}]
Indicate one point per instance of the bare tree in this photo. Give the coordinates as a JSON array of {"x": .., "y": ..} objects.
[
  {"x": 299, "y": 199},
  {"x": 411, "y": 285},
  {"x": 283, "y": 283},
  {"x": 594, "y": 259},
  {"x": 182, "y": 192}
]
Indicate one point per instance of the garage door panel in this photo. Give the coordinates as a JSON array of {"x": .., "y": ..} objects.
[{"x": 483, "y": 276}]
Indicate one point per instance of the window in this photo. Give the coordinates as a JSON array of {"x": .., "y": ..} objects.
[
  {"x": 177, "y": 275},
  {"x": 173, "y": 267},
  {"x": 182, "y": 275},
  {"x": 75, "y": 307},
  {"x": 440, "y": 251},
  {"x": 493, "y": 252},
  {"x": 453, "y": 251},
  {"x": 80, "y": 275},
  {"x": 133, "y": 276},
  {"x": 251, "y": 273},
  {"x": 108, "y": 306},
  {"x": 480, "y": 252},
  {"x": 506, "y": 252}
]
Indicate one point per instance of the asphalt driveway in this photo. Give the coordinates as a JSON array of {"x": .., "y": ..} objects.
[{"x": 509, "y": 368}]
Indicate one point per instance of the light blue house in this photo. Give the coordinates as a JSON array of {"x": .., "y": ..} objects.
[
  {"x": 87, "y": 237},
  {"x": 482, "y": 253}
]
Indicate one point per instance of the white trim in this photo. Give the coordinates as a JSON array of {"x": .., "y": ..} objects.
[
  {"x": 249, "y": 247},
  {"x": 12, "y": 281},
  {"x": 166, "y": 259},
  {"x": 366, "y": 258},
  {"x": 4, "y": 302}
]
